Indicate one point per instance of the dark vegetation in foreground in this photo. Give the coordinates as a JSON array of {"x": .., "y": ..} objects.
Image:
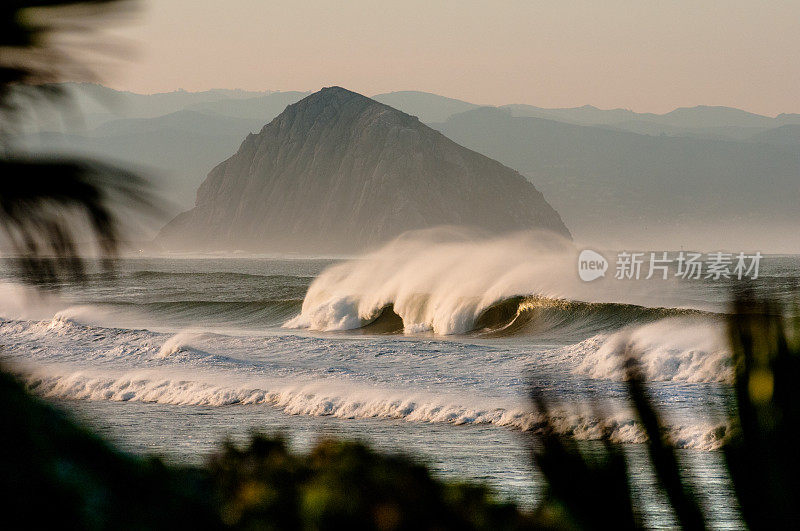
[{"x": 57, "y": 472}]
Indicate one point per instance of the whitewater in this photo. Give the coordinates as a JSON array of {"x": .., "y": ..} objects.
[{"x": 429, "y": 345}]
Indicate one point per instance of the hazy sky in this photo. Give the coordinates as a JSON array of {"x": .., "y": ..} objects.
[{"x": 646, "y": 55}]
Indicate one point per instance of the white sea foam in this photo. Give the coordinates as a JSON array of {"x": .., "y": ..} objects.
[
  {"x": 338, "y": 400},
  {"x": 66, "y": 351},
  {"x": 674, "y": 349},
  {"x": 182, "y": 342}
]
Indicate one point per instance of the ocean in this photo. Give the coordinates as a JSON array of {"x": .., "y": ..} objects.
[{"x": 429, "y": 347}]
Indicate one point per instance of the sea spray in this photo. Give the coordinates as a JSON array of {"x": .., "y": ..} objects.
[
  {"x": 444, "y": 280},
  {"x": 435, "y": 280},
  {"x": 676, "y": 349}
]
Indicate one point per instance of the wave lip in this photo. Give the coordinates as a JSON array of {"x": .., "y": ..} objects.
[
  {"x": 498, "y": 286},
  {"x": 515, "y": 315},
  {"x": 433, "y": 281},
  {"x": 539, "y": 315}
]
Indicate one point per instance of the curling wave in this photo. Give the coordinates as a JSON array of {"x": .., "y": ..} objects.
[
  {"x": 541, "y": 315},
  {"x": 497, "y": 286}
]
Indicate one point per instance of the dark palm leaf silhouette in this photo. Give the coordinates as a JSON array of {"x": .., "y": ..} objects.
[
  {"x": 762, "y": 452},
  {"x": 760, "y": 448},
  {"x": 45, "y": 203},
  {"x": 584, "y": 492}
]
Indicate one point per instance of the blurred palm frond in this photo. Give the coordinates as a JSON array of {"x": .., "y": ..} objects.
[
  {"x": 30, "y": 55},
  {"x": 760, "y": 448},
  {"x": 584, "y": 492},
  {"x": 762, "y": 452},
  {"x": 46, "y": 203}
]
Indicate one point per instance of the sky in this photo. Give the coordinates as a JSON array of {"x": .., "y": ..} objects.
[{"x": 644, "y": 55}]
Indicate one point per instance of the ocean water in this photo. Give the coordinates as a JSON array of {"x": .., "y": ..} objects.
[{"x": 429, "y": 347}]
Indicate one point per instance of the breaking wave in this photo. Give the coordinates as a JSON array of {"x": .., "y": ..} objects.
[
  {"x": 541, "y": 315},
  {"x": 501, "y": 286},
  {"x": 535, "y": 315},
  {"x": 343, "y": 401},
  {"x": 678, "y": 349}
]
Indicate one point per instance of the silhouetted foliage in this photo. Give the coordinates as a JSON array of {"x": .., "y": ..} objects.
[
  {"x": 56, "y": 474},
  {"x": 45, "y": 204},
  {"x": 760, "y": 448},
  {"x": 42, "y": 202},
  {"x": 345, "y": 485},
  {"x": 662, "y": 452},
  {"x": 27, "y": 52},
  {"x": 582, "y": 491},
  {"x": 762, "y": 451}
]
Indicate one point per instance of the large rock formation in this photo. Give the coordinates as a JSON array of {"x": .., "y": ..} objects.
[{"x": 339, "y": 172}]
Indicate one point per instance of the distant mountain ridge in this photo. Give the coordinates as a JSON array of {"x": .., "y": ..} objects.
[
  {"x": 94, "y": 99},
  {"x": 615, "y": 186},
  {"x": 340, "y": 172},
  {"x": 698, "y": 116},
  {"x": 264, "y": 107},
  {"x": 589, "y": 162},
  {"x": 429, "y": 108}
]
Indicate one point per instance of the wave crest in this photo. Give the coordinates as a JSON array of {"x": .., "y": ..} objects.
[
  {"x": 433, "y": 282},
  {"x": 315, "y": 399},
  {"x": 680, "y": 349},
  {"x": 455, "y": 285}
]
